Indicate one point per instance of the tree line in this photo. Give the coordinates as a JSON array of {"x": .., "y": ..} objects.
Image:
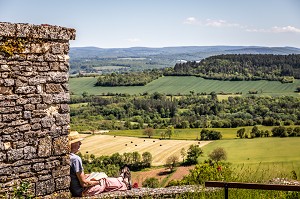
[
  {"x": 278, "y": 131},
  {"x": 129, "y": 79},
  {"x": 237, "y": 67},
  {"x": 159, "y": 111}
]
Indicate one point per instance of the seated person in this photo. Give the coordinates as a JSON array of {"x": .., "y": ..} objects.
[{"x": 80, "y": 186}]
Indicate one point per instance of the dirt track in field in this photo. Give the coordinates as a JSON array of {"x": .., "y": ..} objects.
[{"x": 160, "y": 149}]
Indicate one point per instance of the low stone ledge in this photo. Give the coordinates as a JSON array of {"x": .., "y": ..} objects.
[{"x": 168, "y": 192}]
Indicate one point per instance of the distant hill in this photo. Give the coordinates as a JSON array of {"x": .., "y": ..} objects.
[
  {"x": 86, "y": 52},
  {"x": 98, "y": 60}
]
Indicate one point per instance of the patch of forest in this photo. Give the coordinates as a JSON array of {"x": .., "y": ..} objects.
[
  {"x": 160, "y": 111},
  {"x": 128, "y": 79},
  {"x": 237, "y": 67}
]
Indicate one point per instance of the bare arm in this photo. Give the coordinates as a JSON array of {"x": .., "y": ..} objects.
[{"x": 84, "y": 182}]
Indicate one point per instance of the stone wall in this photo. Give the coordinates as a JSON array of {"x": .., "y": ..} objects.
[{"x": 34, "y": 114}]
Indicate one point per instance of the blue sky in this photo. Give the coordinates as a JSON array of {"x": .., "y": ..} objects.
[{"x": 161, "y": 23}]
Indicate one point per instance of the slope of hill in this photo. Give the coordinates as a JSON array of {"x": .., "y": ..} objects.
[{"x": 102, "y": 60}]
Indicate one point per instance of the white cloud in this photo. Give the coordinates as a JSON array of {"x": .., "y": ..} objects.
[
  {"x": 256, "y": 30},
  {"x": 285, "y": 29},
  {"x": 209, "y": 22},
  {"x": 276, "y": 29},
  {"x": 191, "y": 20},
  {"x": 220, "y": 23},
  {"x": 134, "y": 40}
]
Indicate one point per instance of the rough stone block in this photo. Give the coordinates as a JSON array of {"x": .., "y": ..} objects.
[
  {"x": 5, "y": 110},
  {"x": 45, "y": 187},
  {"x": 4, "y": 67},
  {"x": 60, "y": 145},
  {"x": 6, "y": 90},
  {"x": 15, "y": 154},
  {"x": 41, "y": 106},
  {"x": 61, "y": 98},
  {"x": 62, "y": 119},
  {"x": 47, "y": 122},
  {"x": 26, "y": 90},
  {"x": 59, "y": 77},
  {"x": 18, "y": 122},
  {"x": 29, "y": 107},
  {"x": 34, "y": 98},
  {"x": 35, "y": 126},
  {"x": 22, "y": 169},
  {"x": 54, "y": 88},
  {"x": 61, "y": 171},
  {"x": 36, "y": 81},
  {"x": 47, "y": 98},
  {"x": 20, "y": 83},
  {"x": 64, "y": 108},
  {"x": 44, "y": 148},
  {"x": 52, "y": 164},
  {"x": 54, "y": 66},
  {"x": 38, "y": 166},
  {"x": 7, "y": 103},
  {"x": 25, "y": 127},
  {"x": 62, "y": 183},
  {"x": 44, "y": 177},
  {"x": 29, "y": 152},
  {"x": 9, "y": 82},
  {"x": 27, "y": 114},
  {"x": 39, "y": 113},
  {"x": 10, "y": 117}
]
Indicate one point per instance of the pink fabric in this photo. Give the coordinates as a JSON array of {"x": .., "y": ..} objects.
[
  {"x": 106, "y": 185},
  {"x": 115, "y": 184}
]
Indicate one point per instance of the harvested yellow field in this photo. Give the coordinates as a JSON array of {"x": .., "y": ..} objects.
[{"x": 160, "y": 149}]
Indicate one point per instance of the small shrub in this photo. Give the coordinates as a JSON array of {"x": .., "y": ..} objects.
[
  {"x": 218, "y": 154},
  {"x": 151, "y": 183}
]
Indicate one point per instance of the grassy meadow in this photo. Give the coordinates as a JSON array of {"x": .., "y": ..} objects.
[
  {"x": 183, "y": 85},
  {"x": 258, "y": 155}
]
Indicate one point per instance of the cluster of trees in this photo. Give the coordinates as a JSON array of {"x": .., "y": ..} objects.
[
  {"x": 111, "y": 164},
  {"x": 238, "y": 67},
  {"x": 210, "y": 135},
  {"x": 159, "y": 111},
  {"x": 282, "y": 131},
  {"x": 278, "y": 131},
  {"x": 128, "y": 79}
]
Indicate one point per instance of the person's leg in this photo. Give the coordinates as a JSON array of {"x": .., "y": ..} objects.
[
  {"x": 126, "y": 175},
  {"x": 94, "y": 190}
]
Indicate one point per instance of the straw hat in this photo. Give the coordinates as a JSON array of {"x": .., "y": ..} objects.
[{"x": 74, "y": 137}]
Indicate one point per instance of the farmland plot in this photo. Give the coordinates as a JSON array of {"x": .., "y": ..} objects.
[
  {"x": 160, "y": 149},
  {"x": 183, "y": 85}
]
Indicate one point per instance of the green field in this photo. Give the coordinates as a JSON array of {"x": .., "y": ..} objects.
[
  {"x": 264, "y": 157},
  {"x": 183, "y": 85}
]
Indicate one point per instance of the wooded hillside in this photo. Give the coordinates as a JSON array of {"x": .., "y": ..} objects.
[{"x": 243, "y": 67}]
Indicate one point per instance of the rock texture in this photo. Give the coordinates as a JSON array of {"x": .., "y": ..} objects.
[{"x": 34, "y": 115}]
